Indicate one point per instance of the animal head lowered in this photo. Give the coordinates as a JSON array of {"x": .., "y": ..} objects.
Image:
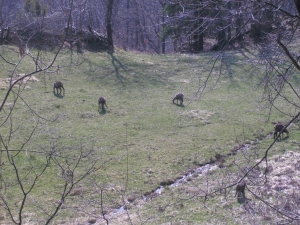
[
  {"x": 102, "y": 102},
  {"x": 279, "y": 128},
  {"x": 179, "y": 97},
  {"x": 58, "y": 85},
  {"x": 240, "y": 188}
]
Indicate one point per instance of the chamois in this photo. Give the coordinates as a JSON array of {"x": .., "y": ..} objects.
[
  {"x": 179, "y": 97},
  {"x": 279, "y": 128},
  {"x": 58, "y": 85},
  {"x": 240, "y": 188},
  {"x": 102, "y": 102}
]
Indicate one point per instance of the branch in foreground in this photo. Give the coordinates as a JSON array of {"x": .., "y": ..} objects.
[{"x": 294, "y": 61}]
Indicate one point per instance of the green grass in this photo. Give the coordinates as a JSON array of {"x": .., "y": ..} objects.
[{"x": 143, "y": 137}]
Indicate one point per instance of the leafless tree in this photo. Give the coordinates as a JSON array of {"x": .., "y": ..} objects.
[
  {"x": 25, "y": 171},
  {"x": 272, "y": 26},
  {"x": 109, "y": 25},
  {"x": 269, "y": 27}
]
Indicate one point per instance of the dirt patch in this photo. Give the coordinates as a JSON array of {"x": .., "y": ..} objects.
[
  {"x": 4, "y": 83},
  {"x": 284, "y": 174},
  {"x": 273, "y": 191},
  {"x": 24, "y": 80},
  {"x": 202, "y": 115},
  {"x": 175, "y": 79}
]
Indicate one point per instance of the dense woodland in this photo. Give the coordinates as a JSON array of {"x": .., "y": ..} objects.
[{"x": 156, "y": 26}]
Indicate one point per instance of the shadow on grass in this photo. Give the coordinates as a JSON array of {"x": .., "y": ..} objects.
[
  {"x": 117, "y": 65},
  {"x": 179, "y": 105},
  {"x": 241, "y": 199},
  {"x": 102, "y": 111},
  {"x": 283, "y": 138},
  {"x": 58, "y": 95}
]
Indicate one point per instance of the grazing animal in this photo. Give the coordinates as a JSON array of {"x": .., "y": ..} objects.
[
  {"x": 179, "y": 97},
  {"x": 279, "y": 128},
  {"x": 240, "y": 188},
  {"x": 102, "y": 102},
  {"x": 58, "y": 85}
]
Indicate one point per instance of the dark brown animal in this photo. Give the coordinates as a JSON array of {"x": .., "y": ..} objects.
[
  {"x": 240, "y": 188},
  {"x": 279, "y": 128},
  {"x": 179, "y": 97},
  {"x": 58, "y": 85},
  {"x": 102, "y": 102}
]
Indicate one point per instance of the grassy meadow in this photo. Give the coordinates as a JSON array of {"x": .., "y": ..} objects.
[{"x": 142, "y": 141}]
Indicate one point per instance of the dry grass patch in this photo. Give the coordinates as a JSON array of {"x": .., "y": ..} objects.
[
  {"x": 202, "y": 115},
  {"x": 24, "y": 80},
  {"x": 175, "y": 79},
  {"x": 284, "y": 175},
  {"x": 4, "y": 83}
]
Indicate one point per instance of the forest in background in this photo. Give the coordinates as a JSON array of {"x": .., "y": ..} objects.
[
  {"x": 264, "y": 37},
  {"x": 156, "y": 26}
]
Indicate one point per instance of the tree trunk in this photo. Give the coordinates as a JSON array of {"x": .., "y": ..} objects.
[
  {"x": 197, "y": 42},
  {"x": 239, "y": 22},
  {"x": 163, "y": 45},
  {"x": 297, "y": 3},
  {"x": 109, "y": 29},
  {"x": 127, "y": 24},
  {"x": 221, "y": 36},
  {"x": 229, "y": 23}
]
